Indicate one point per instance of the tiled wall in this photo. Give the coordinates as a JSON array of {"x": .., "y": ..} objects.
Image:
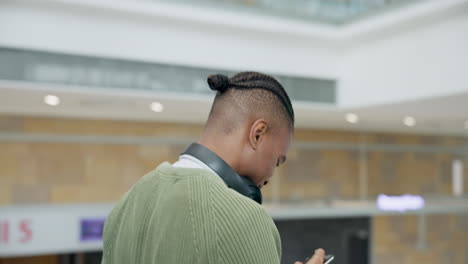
[{"x": 65, "y": 172}]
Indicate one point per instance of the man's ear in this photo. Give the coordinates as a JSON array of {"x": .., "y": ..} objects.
[{"x": 257, "y": 132}]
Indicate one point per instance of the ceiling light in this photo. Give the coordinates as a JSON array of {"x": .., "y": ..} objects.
[
  {"x": 352, "y": 118},
  {"x": 156, "y": 107},
  {"x": 52, "y": 100},
  {"x": 409, "y": 121}
]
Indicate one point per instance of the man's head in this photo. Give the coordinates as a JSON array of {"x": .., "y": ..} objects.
[{"x": 250, "y": 124}]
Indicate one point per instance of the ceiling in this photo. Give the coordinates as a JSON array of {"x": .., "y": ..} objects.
[
  {"x": 444, "y": 114},
  {"x": 441, "y": 115}
]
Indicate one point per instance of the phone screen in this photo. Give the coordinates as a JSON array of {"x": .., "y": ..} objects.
[{"x": 328, "y": 259}]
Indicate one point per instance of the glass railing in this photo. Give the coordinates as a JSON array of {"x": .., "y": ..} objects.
[
  {"x": 94, "y": 73},
  {"x": 328, "y": 11}
]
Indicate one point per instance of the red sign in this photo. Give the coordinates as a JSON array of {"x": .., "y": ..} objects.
[{"x": 23, "y": 227}]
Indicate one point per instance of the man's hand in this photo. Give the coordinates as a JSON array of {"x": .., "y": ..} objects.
[{"x": 317, "y": 258}]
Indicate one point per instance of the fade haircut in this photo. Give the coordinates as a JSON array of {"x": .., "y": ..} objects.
[{"x": 248, "y": 94}]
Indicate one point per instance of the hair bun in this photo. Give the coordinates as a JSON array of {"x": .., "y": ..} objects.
[{"x": 218, "y": 82}]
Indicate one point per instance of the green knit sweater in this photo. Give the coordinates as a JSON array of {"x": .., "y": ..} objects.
[{"x": 184, "y": 215}]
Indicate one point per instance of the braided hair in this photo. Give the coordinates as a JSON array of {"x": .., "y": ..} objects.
[{"x": 250, "y": 92}]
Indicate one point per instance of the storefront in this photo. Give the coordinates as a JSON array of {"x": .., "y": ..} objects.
[{"x": 61, "y": 234}]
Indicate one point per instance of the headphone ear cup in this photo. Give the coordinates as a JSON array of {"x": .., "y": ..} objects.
[{"x": 254, "y": 192}]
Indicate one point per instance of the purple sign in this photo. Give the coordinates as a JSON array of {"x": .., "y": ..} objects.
[{"x": 91, "y": 229}]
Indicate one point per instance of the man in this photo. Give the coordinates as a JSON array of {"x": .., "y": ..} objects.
[{"x": 199, "y": 210}]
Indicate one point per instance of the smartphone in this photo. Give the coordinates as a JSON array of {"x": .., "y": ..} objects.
[{"x": 326, "y": 260}]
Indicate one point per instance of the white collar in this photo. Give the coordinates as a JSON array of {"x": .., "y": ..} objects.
[{"x": 189, "y": 161}]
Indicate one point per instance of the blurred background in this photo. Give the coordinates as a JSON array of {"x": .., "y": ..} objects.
[{"x": 94, "y": 94}]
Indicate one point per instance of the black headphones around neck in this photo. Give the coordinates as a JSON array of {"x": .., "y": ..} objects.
[{"x": 242, "y": 185}]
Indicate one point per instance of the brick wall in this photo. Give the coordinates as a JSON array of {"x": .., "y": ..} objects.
[{"x": 395, "y": 239}]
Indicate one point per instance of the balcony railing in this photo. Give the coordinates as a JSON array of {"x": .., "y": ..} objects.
[{"x": 328, "y": 11}]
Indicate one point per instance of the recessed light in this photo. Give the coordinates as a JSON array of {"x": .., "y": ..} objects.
[
  {"x": 352, "y": 118},
  {"x": 156, "y": 107},
  {"x": 52, "y": 100},
  {"x": 409, "y": 121}
]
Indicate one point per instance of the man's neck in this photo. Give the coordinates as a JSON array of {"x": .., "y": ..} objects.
[{"x": 226, "y": 148}]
